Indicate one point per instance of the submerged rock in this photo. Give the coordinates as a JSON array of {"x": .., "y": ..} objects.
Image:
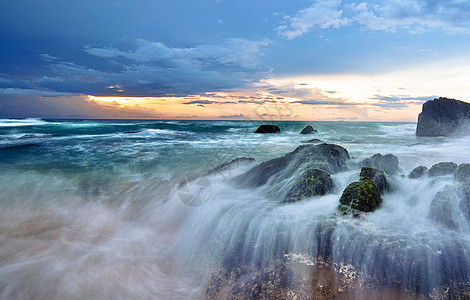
[
  {"x": 313, "y": 141},
  {"x": 450, "y": 204},
  {"x": 462, "y": 173},
  {"x": 378, "y": 176},
  {"x": 360, "y": 196},
  {"x": 234, "y": 164},
  {"x": 464, "y": 205},
  {"x": 327, "y": 157},
  {"x": 442, "y": 117},
  {"x": 268, "y": 129},
  {"x": 388, "y": 163},
  {"x": 308, "y": 130},
  {"x": 442, "y": 168},
  {"x": 418, "y": 172},
  {"x": 312, "y": 182},
  {"x": 442, "y": 211}
]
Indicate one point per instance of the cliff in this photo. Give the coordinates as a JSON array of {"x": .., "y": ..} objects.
[{"x": 442, "y": 117}]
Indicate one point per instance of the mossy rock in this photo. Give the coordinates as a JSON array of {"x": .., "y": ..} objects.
[
  {"x": 462, "y": 173},
  {"x": 418, "y": 172},
  {"x": 360, "y": 196},
  {"x": 312, "y": 182},
  {"x": 442, "y": 168},
  {"x": 442, "y": 208},
  {"x": 388, "y": 163},
  {"x": 378, "y": 176}
]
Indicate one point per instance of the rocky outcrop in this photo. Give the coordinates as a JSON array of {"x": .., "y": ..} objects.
[
  {"x": 388, "y": 163},
  {"x": 360, "y": 196},
  {"x": 462, "y": 173},
  {"x": 268, "y": 129},
  {"x": 442, "y": 117},
  {"x": 308, "y": 130},
  {"x": 442, "y": 168},
  {"x": 312, "y": 182},
  {"x": 378, "y": 176},
  {"x": 230, "y": 166},
  {"x": 418, "y": 172},
  {"x": 327, "y": 157}
]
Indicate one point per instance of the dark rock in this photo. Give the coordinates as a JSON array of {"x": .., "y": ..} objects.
[
  {"x": 378, "y": 176},
  {"x": 313, "y": 141},
  {"x": 312, "y": 182},
  {"x": 442, "y": 208},
  {"x": 268, "y": 129},
  {"x": 464, "y": 205},
  {"x": 388, "y": 163},
  {"x": 308, "y": 130},
  {"x": 462, "y": 173},
  {"x": 442, "y": 117},
  {"x": 327, "y": 157},
  {"x": 442, "y": 168},
  {"x": 418, "y": 172},
  {"x": 360, "y": 196},
  {"x": 234, "y": 164}
]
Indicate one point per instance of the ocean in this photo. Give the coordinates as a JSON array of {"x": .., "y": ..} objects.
[{"x": 125, "y": 209}]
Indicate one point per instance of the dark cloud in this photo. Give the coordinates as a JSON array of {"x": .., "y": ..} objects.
[
  {"x": 147, "y": 68},
  {"x": 403, "y": 98},
  {"x": 399, "y": 101},
  {"x": 199, "y": 102},
  {"x": 323, "y": 102},
  {"x": 13, "y": 106},
  {"x": 239, "y": 116}
]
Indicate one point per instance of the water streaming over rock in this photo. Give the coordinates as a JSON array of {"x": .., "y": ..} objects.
[{"x": 126, "y": 209}]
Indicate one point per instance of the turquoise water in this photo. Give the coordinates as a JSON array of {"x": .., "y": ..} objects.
[{"x": 94, "y": 207}]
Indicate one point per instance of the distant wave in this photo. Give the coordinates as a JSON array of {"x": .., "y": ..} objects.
[{"x": 22, "y": 122}]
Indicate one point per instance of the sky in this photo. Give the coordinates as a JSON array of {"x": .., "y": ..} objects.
[{"x": 232, "y": 59}]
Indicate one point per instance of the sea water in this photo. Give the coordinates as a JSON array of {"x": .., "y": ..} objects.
[{"x": 122, "y": 209}]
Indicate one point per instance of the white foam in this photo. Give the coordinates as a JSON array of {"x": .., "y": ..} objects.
[{"x": 22, "y": 122}]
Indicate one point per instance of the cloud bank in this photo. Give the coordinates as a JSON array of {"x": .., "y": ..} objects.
[
  {"x": 150, "y": 69},
  {"x": 413, "y": 15}
]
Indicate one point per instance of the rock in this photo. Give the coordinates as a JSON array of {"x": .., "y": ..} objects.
[
  {"x": 360, "y": 196},
  {"x": 230, "y": 166},
  {"x": 451, "y": 203},
  {"x": 442, "y": 117},
  {"x": 308, "y": 130},
  {"x": 268, "y": 129},
  {"x": 378, "y": 176},
  {"x": 388, "y": 163},
  {"x": 442, "y": 168},
  {"x": 464, "y": 205},
  {"x": 442, "y": 208},
  {"x": 462, "y": 173},
  {"x": 327, "y": 157},
  {"x": 418, "y": 172},
  {"x": 313, "y": 141},
  {"x": 312, "y": 182}
]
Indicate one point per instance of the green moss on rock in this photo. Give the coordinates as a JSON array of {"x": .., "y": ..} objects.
[
  {"x": 442, "y": 168},
  {"x": 378, "y": 176},
  {"x": 462, "y": 173},
  {"x": 312, "y": 182},
  {"x": 360, "y": 196},
  {"x": 418, "y": 172}
]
